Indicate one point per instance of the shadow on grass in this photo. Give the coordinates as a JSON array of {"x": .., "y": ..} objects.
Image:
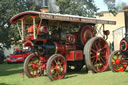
[
  {"x": 6, "y": 84},
  {"x": 10, "y": 69},
  {"x": 74, "y": 74}
]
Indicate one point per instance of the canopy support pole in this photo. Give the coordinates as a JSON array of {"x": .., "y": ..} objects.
[
  {"x": 34, "y": 28},
  {"x": 19, "y": 31},
  {"x": 22, "y": 26}
]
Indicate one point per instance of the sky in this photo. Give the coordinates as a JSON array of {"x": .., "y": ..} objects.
[{"x": 103, "y": 7}]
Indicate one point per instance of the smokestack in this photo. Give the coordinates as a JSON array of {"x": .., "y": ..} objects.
[{"x": 126, "y": 19}]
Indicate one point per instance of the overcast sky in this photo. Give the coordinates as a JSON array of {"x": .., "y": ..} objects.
[{"x": 103, "y": 7}]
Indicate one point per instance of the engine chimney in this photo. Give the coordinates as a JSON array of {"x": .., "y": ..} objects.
[{"x": 126, "y": 19}]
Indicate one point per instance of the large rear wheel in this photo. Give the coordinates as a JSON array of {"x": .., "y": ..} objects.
[
  {"x": 96, "y": 53},
  {"x": 115, "y": 62},
  {"x": 56, "y": 67}
]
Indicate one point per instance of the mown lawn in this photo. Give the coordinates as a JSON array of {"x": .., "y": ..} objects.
[{"x": 10, "y": 75}]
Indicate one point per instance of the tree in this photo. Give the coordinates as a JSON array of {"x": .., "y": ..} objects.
[
  {"x": 111, "y": 6},
  {"x": 9, "y": 8},
  {"x": 77, "y": 7}
]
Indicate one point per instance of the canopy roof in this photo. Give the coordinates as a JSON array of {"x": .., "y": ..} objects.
[{"x": 27, "y": 16}]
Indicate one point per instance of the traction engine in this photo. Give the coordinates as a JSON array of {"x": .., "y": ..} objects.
[
  {"x": 118, "y": 60},
  {"x": 62, "y": 43}
]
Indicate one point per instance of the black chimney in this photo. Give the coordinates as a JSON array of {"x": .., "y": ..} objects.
[{"x": 126, "y": 19}]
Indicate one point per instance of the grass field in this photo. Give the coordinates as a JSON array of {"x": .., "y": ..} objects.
[{"x": 10, "y": 75}]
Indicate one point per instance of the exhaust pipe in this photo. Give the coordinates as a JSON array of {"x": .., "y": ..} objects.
[{"x": 126, "y": 19}]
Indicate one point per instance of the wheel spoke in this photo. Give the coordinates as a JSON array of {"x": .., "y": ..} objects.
[
  {"x": 92, "y": 53},
  {"x": 103, "y": 61},
  {"x": 57, "y": 67},
  {"x": 95, "y": 44},
  {"x": 105, "y": 46},
  {"x": 93, "y": 56},
  {"x": 96, "y": 61},
  {"x": 93, "y": 50},
  {"x": 102, "y": 52}
]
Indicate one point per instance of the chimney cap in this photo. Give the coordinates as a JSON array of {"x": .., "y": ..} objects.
[{"x": 125, "y": 8}]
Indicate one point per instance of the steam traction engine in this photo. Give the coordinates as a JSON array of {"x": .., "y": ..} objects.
[
  {"x": 118, "y": 60},
  {"x": 62, "y": 43}
]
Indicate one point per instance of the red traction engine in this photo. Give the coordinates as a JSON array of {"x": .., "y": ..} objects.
[
  {"x": 59, "y": 51},
  {"x": 118, "y": 60}
]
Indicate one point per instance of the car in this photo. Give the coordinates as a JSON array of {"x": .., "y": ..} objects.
[{"x": 18, "y": 56}]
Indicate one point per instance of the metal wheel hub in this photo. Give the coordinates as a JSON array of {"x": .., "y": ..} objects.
[
  {"x": 35, "y": 66},
  {"x": 117, "y": 61}
]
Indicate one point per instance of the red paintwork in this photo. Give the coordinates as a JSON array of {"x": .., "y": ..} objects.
[
  {"x": 63, "y": 48},
  {"x": 56, "y": 68},
  {"x": 21, "y": 15},
  {"x": 74, "y": 55},
  {"x": 18, "y": 57},
  {"x": 96, "y": 57},
  {"x": 30, "y": 29},
  {"x": 86, "y": 33},
  {"x": 123, "y": 41},
  {"x": 106, "y": 32},
  {"x": 72, "y": 38},
  {"x": 29, "y": 38},
  {"x": 44, "y": 61},
  {"x": 118, "y": 64},
  {"x": 28, "y": 43}
]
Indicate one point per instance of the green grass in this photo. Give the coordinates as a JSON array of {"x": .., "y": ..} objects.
[{"x": 10, "y": 75}]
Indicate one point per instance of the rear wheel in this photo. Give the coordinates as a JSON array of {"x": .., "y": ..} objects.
[
  {"x": 96, "y": 53},
  {"x": 114, "y": 62},
  {"x": 32, "y": 66},
  {"x": 56, "y": 67}
]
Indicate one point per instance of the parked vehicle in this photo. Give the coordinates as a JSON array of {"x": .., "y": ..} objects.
[
  {"x": 118, "y": 60},
  {"x": 60, "y": 42},
  {"x": 1, "y": 55},
  {"x": 18, "y": 56}
]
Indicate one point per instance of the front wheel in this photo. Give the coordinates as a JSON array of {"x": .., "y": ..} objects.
[
  {"x": 56, "y": 67},
  {"x": 115, "y": 62},
  {"x": 31, "y": 66}
]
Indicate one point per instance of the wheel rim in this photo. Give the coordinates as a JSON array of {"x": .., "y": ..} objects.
[
  {"x": 33, "y": 67},
  {"x": 97, "y": 54},
  {"x": 115, "y": 62},
  {"x": 57, "y": 67}
]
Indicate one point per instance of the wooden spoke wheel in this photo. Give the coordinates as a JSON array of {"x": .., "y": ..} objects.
[
  {"x": 96, "y": 53},
  {"x": 114, "y": 62},
  {"x": 75, "y": 67},
  {"x": 56, "y": 67},
  {"x": 31, "y": 66}
]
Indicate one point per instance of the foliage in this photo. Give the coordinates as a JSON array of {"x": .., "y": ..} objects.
[
  {"x": 77, "y": 7},
  {"x": 8, "y": 8},
  {"x": 111, "y": 6}
]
